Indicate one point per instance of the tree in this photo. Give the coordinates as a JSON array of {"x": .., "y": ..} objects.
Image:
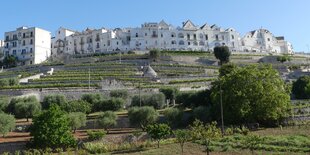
[
  {"x": 107, "y": 119},
  {"x": 26, "y": 107},
  {"x": 182, "y": 136},
  {"x": 7, "y": 123},
  {"x": 284, "y": 58},
  {"x": 301, "y": 87},
  {"x": 170, "y": 93},
  {"x": 77, "y": 106},
  {"x": 202, "y": 113},
  {"x": 92, "y": 98},
  {"x": 174, "y": 116},
  {"x": 158, "y": 132},
  {"x": 10, "y": 61},
  {"x": 53, "y": 99},
  {"x": 142, "y": 116},
  {"x": 252, "y": 142},
  {"x": 155, "y": 100},
  {"x": 119, "y": 94},
  {"x": 222, "y": 53},
  {"x": 251, "y": 94},
  {"x": 77, "y": 120},
  {"x": 155, "y": 54},
  {"x": 51, "y": 129},
  {"x": 227, "y": 69},
  {"x": 113, "y": 104},
  {"x": 4, "y": 103}
]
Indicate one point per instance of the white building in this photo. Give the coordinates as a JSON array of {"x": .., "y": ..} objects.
[
  {"x": 166, "y": 37},
  {"x": 1, "y": 47},
  {"x": 262, "y": 40},
  {"x": 29, "y": 45}
]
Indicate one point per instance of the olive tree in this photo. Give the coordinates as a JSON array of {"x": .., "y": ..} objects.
[
  {"x": 142, "y": 116},
  {"x": 7, "y": 123},
  {"x": 301, "y": 87},
  {"x": 26, "y": 107},
  {"x": 77, "y": 120},
  {"x": 107, "y": 120},
  {"x": 182, "y": 136}
]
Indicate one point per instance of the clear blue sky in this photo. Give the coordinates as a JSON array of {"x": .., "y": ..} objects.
[{"x": 290, "y": 18}]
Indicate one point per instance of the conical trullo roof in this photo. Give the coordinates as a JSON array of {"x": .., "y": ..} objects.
[{"x": 150, "y": 72}]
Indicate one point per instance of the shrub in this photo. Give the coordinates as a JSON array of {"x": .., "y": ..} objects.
[
  {"x": 158, "y": 132},
  {"x": 182, "y": 136},
  {"x": 194, "y": 99},
  {"x": 222, "y": 53},
  {"x": 155, "y": 100},
  {"x": 4, "y": 103},
  {"x": 7, "y": 123},
  {"x": 170, "y": 93},
  {"x": 107, "y": 119},
  {"x": 174, "y": 116},
  {"x": 53, "y": 99},
  {"x": 77, "y": 106},
  {"x": 142, "y": 116},
  {"x": 9, "y": 82},
  {"x": 77, "y": 120},
  {"x": 96, "y": 134},
  {"x": 155, "y": 54},
  {"x": 202, "y": 113},
  {"x": 119, "y": 94},
  {"x": 92, "y": 98},
  {"x": 301, "y": 88}
]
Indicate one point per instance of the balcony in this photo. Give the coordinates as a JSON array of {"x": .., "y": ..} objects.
[{"x": 154, "y": 36}]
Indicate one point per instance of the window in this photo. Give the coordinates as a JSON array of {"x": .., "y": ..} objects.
[
  {"x": 201, "y": 43},
  {"x": 195, "y": 43},
  {"x": 24, "y": 35},
  {"x": 31, "y": 34},
  {"x": 223, "y": 38},
  {"x": 31, "y": 42},
  {"x": 145, "y": 34},
  {"x": 117, "y": 43},
  {"x": 30, "y": 50},
  {"x": 172, "y": 35},
  {"x": 232, "y": 37},
  {"x": 181, "y": 42},
  {"x": 30, "y": 62},
  {"x": 189, "y": 43},
  {"x": 195, "y": 37},
  {"x": 137, "y": 35},
  {"x": 173, "y": 42},
  {"x": 268, "y": 39},
  {"x": 7, "y": 38},
  {"x": 98, "y": 45},
  {"x": 201, "y": 36},
  {"x": 207, "y": 38},
  {"x": 14, "y": 52},
  {"x": 14, "y": 37},
  {"x": 188, "y": 36},
  {"x": 217, "y": 37},
  {"x": 161, "y": 35}
]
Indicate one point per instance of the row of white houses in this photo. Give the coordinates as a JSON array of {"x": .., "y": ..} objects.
[{"x": 34, "y": 45}]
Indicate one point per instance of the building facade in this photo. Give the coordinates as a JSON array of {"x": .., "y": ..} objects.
[
  {"x": 1, "y": 48},
  {"x": 28, "y": 45}
]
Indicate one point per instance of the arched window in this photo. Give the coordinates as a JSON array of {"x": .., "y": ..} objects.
[
  {"x": 181, "y": 35},
  {"x": 195, "y": 43},
  {"x": 181, "y": 42},
  {"x": 172, "y": 34},
  {"x": 173, "y": 42},
  {"x": 201, "y": 43},
  {"x": 201, "y": 36}
]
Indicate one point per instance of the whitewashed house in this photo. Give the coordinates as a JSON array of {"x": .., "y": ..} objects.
[{"x": 28, "y": 45}]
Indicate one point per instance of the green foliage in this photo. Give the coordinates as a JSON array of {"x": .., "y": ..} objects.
[
  {"x": 155, "y": 100},
  {"x": 77, "y": 106},
  {"x": 96, "y": 135},
  {"x": 57, "y": 99},
  {"x": 158, "y": 132},
  {"x": 155, "y": 54},
  {"x": 227, "y": 69},
  {"x": 26, "y": 107},
  {"x": 51, "y": 129},
  {"x": 93, "y": 99},
  {"x": 174, "y": 116},
  {"x": 113, "y": 104},
  {"x": 119, "y": 94},
  {"x": 77, "y": 120},
  {"x": 194, "y": 99},
  {"x": 142, "y": 116},
  {"x": 107, "y": 119},
  {"x": 284, "y": 58},
  {"x": 182, "y": 136},
  {"x": 251, "y": 94},
  {"x": 4, "y": 103},
  {"x": 222, "y": 53},
  {"x": 301, "y": 87},
  {"x": 10, "y": 61},
  {"x": 7, "y": 123},
  {"x": 170, "y": 93},
  {"x": 9, "y": 82},
  {"x": 252, "y": 142},
  {"x": 202, "y": 113}
]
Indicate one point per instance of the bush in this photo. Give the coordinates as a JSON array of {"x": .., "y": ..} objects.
[
  {"x": 53, "y": 99},
  {"x": 96, "y": 135},
  {"x": 174, "y": 116},
  {"x": 194, "y": 99},
  {"x": 301, "y": 88},
  {"x": 4, "y": 103},
  {"x": 222, "y": 53},
  {"x": 77, "y": 106},
  {"x": 113, "y": 104},
  {"x": 107, "y": 119},
  {"x": 170, "y": 93},
  {"x": 119, "y": 94},
  {"x": 9, "y": 82},
  {"x": 7, "y": 123},
  {"x": 202, "y": 113},
  {"x": 77, "y": 120},
  {"x": 155, "y": 54},
  {"x": 26, "y": 107},
  {"x": 142, "y": 116},
  {"x": 155, "y": 100},
  {"x": 51, "y": 129},
  {"x": 92, "y": 98}
]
